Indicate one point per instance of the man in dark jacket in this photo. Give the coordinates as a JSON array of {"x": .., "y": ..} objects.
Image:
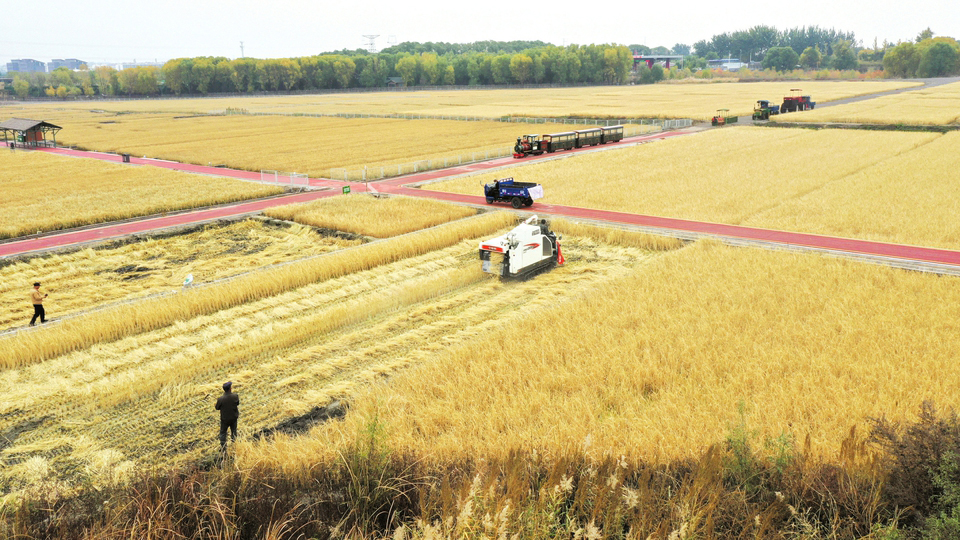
[{"x": 228, "y": 405}]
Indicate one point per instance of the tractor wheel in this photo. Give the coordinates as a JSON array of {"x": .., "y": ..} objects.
[
  {"x": 516, "y": 202},
  {"x": 489, "y": 200},
  {"x": 528, "y": 202}
]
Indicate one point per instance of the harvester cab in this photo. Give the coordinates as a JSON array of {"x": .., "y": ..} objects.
[{"x": 530, "y": 247}]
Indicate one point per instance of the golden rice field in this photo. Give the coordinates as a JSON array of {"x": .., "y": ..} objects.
[
  {"x": 655, "y": 363},
  {"x": 370, "y": 216},
  {"x": 44, "y": 192},
  {"x": 882, "y": 186},
  {"x": 696, "y": 101},
  {"x": 145, "y": 399},
  {"x": 938, "y": 105},
  {"x": 91, "y": 278},
  {"x": 294, "y": 144}
]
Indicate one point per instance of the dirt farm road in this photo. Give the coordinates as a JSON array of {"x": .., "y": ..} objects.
[{"x": 912, "y": 257}]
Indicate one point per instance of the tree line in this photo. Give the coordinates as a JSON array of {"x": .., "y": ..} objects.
[{"x": 544, "y": 64}]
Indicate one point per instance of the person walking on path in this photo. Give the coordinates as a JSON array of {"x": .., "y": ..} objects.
[
  {"x": 37, "y": 297},
  {"x": 228, "y": 405}
]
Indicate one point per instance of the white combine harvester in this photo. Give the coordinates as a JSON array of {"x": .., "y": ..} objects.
[{"x": 528, "y": 248}]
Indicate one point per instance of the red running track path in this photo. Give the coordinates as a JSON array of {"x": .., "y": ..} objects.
[{"x": 399, "y": 186}]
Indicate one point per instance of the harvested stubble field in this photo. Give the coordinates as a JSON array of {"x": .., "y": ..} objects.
[
  {"x": 697, "y": 101},
  {"x": 938, "y": 105},
  {"x": 294, "y": 144},
  {"x": 882, "y": 186},
  {"x": 656, "y": 362},
  {"x": 145, "y": 399},
  {"x": 370, "y": 216},
  {"x": 88, "y": 278},
  {"x": 44, "y": 192}
]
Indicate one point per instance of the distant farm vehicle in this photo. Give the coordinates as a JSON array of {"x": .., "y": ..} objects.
[
  {"x": 721, "y": 119},
  {"x": 763, "y": 110},
  {"x": 528, "y": 248},
  {"x": 796, "y": 102},
  {"x": 518, "y": 194},
  {"x": 538, "y": 144}
]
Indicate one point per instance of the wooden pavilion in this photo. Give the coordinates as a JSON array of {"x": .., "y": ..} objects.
[{"x": 29, "y": 132}]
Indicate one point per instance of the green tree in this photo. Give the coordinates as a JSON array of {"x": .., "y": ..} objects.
[
  {"x": 429, "y": 69},
  {"x": 344, "y": 68},
  {"x": 781, "y": 59},
  {"x": 902, "y": 60},
  {"x": 147, "y": 81},
  {"x": 501, "y": 69},
  {"x": 407, "y": 67},
  {"x": 21, "y": 87},
  {"x": 924, "y": 35},
  {"x": 844, "y": 56},
  {"x": 938, "y": 60},
  {"x": 521, "y": 67},
  {"x": 449, "y": 75},
  {"x": 202, "y": 71},
  {"x": 811, "y": 57}
]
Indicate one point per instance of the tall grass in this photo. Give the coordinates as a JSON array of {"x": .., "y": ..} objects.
[
  {"x": 32, "y": 347},
  {"x": 369, "y": 216}
]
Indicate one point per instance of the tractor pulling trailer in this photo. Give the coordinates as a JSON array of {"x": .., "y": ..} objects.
[
  {"x": 535, "y": 145},
  {"x": 527, "y": 249}
]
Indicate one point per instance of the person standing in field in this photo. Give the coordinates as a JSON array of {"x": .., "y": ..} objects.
[
  {"x": 37, "y": 297},
  {"x": 228, "y": 404}
]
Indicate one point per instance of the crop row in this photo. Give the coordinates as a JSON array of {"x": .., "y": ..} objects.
[
  {"x": 668, "y": 359},
  {"x": 93, "y": 277},
  {"x": 147, "y": 399},
  {"x": 697, "y": 101}
]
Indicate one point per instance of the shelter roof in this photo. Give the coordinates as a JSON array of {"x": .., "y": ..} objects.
[{"x": 22, "y": 124}]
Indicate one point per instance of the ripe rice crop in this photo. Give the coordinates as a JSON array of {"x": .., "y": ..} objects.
[
  {"x": 298, "y": 144},
  {"x": 938, "y": 105},
  {"x": 145, "y": 400},
  {"x": 116, "y": 323},
  {"x": 884, "y": 186},
  {"x": 90, "y": 278},
  {"x": 697, "y": 101},
  {"x": 655, "y": 365},
  {"x": 43, "y": 192},
  {"x": 370, "y": 216}
]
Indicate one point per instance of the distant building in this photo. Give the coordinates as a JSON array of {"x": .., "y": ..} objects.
[
  {"x": 26, "y": 65},
  {"x": 395, "y": 82},
  {"x": 140, "y": 64},
  {"x": 69, "y": 63},
  {"x": 727, "y": 64}
]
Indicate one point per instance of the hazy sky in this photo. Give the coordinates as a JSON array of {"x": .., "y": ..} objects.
[{"x": 101, "y": 31}]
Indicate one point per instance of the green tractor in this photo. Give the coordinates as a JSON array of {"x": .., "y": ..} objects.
[{"x": 763, "y": 110}]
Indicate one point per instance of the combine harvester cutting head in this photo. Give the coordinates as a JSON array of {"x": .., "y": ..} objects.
[{"x": 527, "y": 249}]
